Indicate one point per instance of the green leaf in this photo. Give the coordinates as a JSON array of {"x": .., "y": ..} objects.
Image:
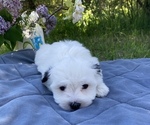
[
  {"x": 13, "y": 35},
  {"x": 68, "y": 3},
  {"x": 6, "y": 43},
  {"x": 6, "y": 15},
  {"x": 1, "y": 40}
]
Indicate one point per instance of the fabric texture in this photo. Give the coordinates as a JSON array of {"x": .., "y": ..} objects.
[{"x": 25, "y": 101}]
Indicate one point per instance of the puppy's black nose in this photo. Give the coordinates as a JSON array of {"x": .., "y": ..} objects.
[{"x": 75, "y": 105}]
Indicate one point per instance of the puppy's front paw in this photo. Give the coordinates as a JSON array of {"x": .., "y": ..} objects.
[{"x": 102, "y": 90}]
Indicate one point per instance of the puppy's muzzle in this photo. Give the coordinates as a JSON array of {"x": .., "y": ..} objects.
[{"x": 75, "y": 105}]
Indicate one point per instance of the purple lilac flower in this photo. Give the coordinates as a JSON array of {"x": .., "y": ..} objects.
[
  {"x": 50, "y": 23},
  {"x": 42, "y": 10},
  {"x": 4, "y": 26},
  {"x": 13, "y": 6}
]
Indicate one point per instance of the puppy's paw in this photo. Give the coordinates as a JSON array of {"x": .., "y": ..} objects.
[{"x": 102, "y": 90}]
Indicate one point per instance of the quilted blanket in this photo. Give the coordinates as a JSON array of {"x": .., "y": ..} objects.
[{"x": 25, "y": 101}]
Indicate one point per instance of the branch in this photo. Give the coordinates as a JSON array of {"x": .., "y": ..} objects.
[{"x": 59, "y": 9}]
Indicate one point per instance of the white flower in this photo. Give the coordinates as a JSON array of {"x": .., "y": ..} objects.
[
  {"x": 27, "y": 33},
  {"x": 79, "y": 9},
  {"x": 77, "y": 15},
  {"x": 24, "y": 15},
  {"x": 78, "y": 6},
  {"x": 33, "y": 17}
]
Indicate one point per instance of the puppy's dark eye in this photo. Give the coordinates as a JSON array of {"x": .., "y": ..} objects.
[
  {"x": 62, "y": 88},
  {"x": 85, "y": 86}
]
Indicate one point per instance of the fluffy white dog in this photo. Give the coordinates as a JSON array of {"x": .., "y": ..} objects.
[{"x": 71, "y": 73}]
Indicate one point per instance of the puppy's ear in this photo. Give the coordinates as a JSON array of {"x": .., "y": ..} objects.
[
  {"x": 97, "y": 68},
  {"x": 45, "y": 77}
]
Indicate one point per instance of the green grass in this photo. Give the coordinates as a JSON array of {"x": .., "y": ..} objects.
[
  {"x": 120, "y": 47},
  {"x": 110, "y": 47},
  {"x": 3, "y": 49},
  {"x": 107, "y": 45}
]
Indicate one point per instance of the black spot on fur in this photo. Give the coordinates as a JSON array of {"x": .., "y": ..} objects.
[
  {"x": 46, "y": 76},
  {"x": 97, "y": 67}
]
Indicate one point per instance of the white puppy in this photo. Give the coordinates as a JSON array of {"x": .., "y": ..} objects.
[{"x": 71, "y": 73}]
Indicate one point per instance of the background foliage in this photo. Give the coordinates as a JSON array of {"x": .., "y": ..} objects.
[
  {"x": 110, "y": 28},
  {"x": 115, "y": 15}
]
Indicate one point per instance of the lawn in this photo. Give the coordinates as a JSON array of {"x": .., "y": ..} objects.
[
  {"x": 107, "y": 45},
  {"x": 110, "y": 47}
]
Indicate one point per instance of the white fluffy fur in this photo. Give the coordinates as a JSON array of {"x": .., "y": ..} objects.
[{"x": 70, "y": 65}]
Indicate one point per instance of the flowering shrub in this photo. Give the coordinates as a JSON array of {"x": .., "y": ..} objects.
[
  {"x": 40, "y": 17},
  {"x": 75, "y": 10},
  {"x": 10, "y": 31},
  {"x": 34, "y": 24},
  {"x": 14, "y": 25}
]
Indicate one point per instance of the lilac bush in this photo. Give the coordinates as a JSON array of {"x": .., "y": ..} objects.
[
  {"x": 13, "y": 25},
  {"x": 10, "y": 31},
  {"x": 9, "y": 27},
  {"x": 50, "y": 20},
  {"x": 42, "y": 10},
  {"x": 41, "y": 17},
  {"x": 13, "y": 7},
  {"x": 4, "y": 26}
]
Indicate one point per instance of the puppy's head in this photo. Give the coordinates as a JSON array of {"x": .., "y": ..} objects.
[{"x": 73, "y": 84}]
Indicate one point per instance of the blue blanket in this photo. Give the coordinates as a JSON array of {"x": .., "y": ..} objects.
[{"x": 25, "y": 101}]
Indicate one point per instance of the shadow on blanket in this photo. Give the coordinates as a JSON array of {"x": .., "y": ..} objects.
[{"x": 25, "y": 101}]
